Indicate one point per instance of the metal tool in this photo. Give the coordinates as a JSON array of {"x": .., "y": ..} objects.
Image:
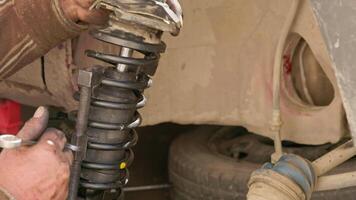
[
  {"x": 13, "y": 141},
  {"x": 147, "y": 187}
]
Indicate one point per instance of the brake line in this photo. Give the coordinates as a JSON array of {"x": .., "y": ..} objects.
[{"x": 277, "y": 69}]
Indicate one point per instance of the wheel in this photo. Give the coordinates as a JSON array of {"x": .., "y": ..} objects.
[{"x": 212, "y": 162}]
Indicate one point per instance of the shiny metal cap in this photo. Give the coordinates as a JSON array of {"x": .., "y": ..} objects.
[{"x": 10, "y": 141}]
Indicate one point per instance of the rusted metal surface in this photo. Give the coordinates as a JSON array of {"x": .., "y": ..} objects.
[{"x": 337, "y": 20}]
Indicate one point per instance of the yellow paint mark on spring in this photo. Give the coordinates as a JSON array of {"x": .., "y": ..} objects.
[{"x": 123, "y": 165}]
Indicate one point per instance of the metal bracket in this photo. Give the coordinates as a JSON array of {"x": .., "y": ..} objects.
[{"x": 79, "y": 137}]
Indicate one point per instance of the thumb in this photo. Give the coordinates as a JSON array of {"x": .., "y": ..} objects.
[{"x": 34, "y": 127}]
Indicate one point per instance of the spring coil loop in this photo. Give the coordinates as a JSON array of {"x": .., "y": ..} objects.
[{"x": 113, "y": 112}]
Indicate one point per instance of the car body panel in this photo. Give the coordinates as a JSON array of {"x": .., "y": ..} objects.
[{"x": 218, "y": 71}]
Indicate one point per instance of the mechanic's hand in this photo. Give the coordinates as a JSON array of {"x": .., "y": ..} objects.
[
  {"x": 41, "y": 171},
  {"x": 78, "y": 11}
]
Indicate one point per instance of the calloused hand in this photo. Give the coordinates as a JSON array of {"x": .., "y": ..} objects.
[{"x": 39, "y": 172}]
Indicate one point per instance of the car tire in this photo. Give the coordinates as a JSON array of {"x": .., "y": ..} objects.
[{"x": 199, "y": 169}]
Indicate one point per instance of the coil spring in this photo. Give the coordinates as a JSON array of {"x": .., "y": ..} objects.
[{"x": 113, "y": 111}]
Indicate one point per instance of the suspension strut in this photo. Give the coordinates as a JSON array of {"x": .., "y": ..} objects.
[{"x": 111, "y": 96}]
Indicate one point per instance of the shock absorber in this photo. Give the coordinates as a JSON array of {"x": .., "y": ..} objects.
[
  {"x": 113, "y": 96},
  {"x": 113, "y": 112}
]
